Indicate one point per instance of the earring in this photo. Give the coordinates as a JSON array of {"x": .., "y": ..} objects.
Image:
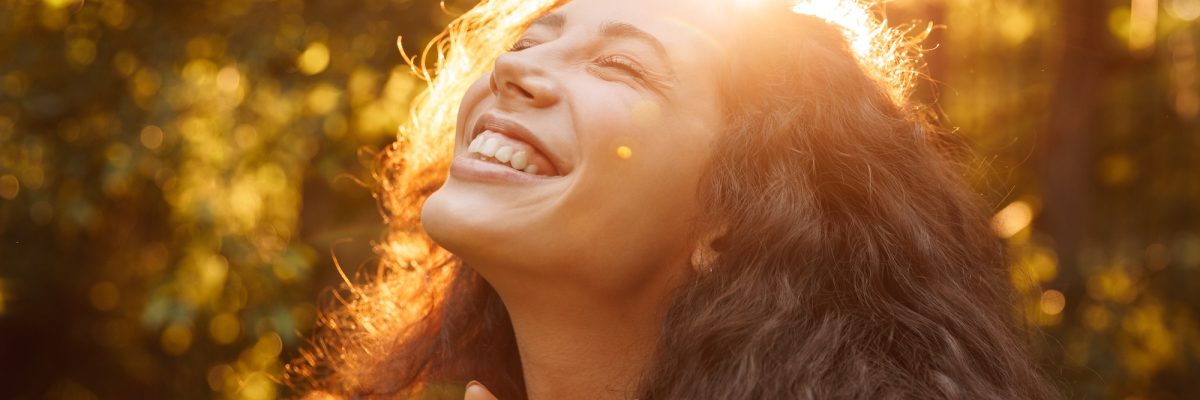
[{"x": 701, "y": 259}]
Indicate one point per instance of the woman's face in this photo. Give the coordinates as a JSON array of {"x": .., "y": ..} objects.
[{"x": 577, "y": 158}]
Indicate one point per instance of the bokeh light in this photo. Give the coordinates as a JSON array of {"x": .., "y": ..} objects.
[
  {"x": 1012, "y": 219},
  {"x": 624, "y": 152},
  {"x": 173, "y": 179}
]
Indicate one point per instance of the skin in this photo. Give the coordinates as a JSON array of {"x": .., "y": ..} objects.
[{"x": 585, "y": 262}]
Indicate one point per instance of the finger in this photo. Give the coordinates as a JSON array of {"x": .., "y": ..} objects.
[{"x": 476, "y": 391}]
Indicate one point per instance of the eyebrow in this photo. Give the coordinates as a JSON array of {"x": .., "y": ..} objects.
[
  {"x": 623, "y": 30},
  {"x": 610, "y": 29},
  {"x": 552, "y": 20}
]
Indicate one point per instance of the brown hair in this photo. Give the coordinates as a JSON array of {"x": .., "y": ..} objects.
[{"x": 855, "y": 262}]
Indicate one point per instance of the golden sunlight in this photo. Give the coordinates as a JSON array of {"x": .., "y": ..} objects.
[
  {"x": 851, "y": 16},
  {"x": 465, "y": 51},
  {"x": 890, "y": 55}
]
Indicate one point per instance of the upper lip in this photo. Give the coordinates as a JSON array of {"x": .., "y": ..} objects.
[{"x": 508, "y": 127}]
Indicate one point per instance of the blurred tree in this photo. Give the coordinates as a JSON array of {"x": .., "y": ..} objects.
[
  {"x": 1084, "y": 116},
  {"x": 174, "y": 177},
  {"x": 1065, "y": 149}
]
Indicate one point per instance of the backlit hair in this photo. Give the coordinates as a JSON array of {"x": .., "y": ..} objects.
[{"x": 856, "y": 264}]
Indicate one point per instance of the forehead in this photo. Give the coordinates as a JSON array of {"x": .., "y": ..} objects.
[{"x": 686, "y": 28}]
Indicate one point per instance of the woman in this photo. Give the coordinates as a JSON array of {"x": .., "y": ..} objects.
[{"x": 678, "y": 199}]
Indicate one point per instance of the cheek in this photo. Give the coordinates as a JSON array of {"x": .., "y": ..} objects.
[
  {"x": 615, "y": 128},
  {"x": 649, "y": 208},
  {"x": 478, "y": 92},
  {"x": 642, "y": 146},
  {"x": 642, "y": 170},
  {"x": 662, "y": 170}
]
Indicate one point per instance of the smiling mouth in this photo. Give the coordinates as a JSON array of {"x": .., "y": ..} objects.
[
  {"x": 502, "y": 141},
  {"x": 497, "y": 148}
]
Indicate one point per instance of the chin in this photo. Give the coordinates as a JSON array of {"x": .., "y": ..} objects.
[
  {"x": 446, "y": 218},
  {"x": 477, "y": 225}
]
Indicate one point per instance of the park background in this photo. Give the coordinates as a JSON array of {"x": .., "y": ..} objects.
[{"x": 178, "y": 177}]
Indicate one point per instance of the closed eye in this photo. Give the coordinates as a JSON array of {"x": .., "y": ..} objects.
[
  {"x": 622, "y": 63},
  {"x": 522, "y": 45}
]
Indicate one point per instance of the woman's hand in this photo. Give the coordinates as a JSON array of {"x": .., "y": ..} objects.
[{"x": 476, "y": 391}]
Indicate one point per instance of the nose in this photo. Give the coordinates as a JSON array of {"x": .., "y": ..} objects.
[{"x": 518, "y": 80}]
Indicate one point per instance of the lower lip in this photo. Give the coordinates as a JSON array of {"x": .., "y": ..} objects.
[{"x": 467, "y": 168}]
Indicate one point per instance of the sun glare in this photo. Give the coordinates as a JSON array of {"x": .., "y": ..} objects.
[
  {"x": 748, "y": 3},
  {"x": 412, "y": 270},
  {"x": 889, "y": 54},
  {"x": 855, "y": 20},
  {"x": 417, "y": 163}
]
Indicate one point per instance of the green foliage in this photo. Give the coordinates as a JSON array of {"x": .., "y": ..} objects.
[
  {"x": 1119, "y": 309},
  {"x": 174, "y": 177}
]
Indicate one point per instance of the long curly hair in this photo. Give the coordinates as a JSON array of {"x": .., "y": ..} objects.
[{"x": 856, "y": 262}]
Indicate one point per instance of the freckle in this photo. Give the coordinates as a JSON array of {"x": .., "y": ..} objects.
[
  {"x": 624, "y": 152},
  {"x": 646, "y": 113}
]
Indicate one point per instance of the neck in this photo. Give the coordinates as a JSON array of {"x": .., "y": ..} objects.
[
  {"x": 568, "y": 358},
  {"x": 576, "y": 344}
]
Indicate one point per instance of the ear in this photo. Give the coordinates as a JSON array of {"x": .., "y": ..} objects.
[
  {"x": 476, "y": 391},
  {"x": 708, "y": 248}
]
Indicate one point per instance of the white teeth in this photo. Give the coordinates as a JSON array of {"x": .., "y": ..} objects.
[
  {"x": 475, "y": 144},
  {"x": 504, "y": 154},
  {"x": 519, "y": 160},
  {"x": 489, "y": 147}
]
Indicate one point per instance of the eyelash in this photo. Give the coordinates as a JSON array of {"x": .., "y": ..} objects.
[
  {"x": 620, "y": 62},
  {"x": 521, "y": 45}
]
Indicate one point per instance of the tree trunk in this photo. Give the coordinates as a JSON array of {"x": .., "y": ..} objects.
[{"x": 1065, "y": 150}]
